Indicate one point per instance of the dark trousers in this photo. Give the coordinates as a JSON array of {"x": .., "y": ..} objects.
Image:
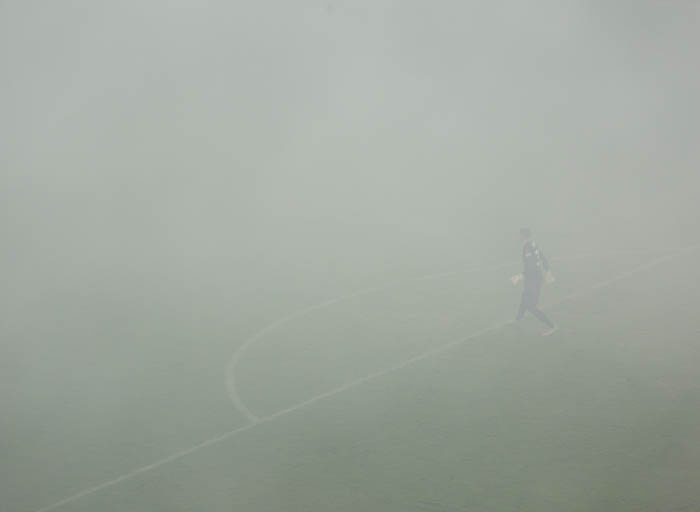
[{"x": 530, "y": 298}]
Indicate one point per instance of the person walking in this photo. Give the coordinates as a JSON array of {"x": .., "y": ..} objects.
[{"x": 535, "y": 271}]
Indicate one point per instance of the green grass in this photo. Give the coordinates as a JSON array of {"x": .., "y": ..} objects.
[{"x": 603, "y": 416}]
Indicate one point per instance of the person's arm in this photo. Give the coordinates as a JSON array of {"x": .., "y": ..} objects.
[{"x": 548, "y": 276}]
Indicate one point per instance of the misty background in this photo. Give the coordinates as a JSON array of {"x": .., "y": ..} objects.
[
  {"x": 214, "y": 165},
  {"x": 221, "y": 141}
]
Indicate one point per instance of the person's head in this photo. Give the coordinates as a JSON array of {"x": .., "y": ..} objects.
[{"x": 525, "y": 234}]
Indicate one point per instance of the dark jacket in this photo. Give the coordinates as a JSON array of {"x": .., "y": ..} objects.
[{"x": 534, "y": 261}]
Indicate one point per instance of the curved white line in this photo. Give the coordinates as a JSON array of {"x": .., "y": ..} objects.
[
  {"x": 230, "y": 377},
  {"x": 231, "y": 386}
]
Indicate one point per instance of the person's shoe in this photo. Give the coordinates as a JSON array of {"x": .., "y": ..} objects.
[{"x": 550, "y": 331}]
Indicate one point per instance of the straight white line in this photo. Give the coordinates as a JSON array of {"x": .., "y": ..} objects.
[
  {"x": 380, "y": 373},
  {"x": 146, "y": 469},
  {"x": 340, "y": 389}
]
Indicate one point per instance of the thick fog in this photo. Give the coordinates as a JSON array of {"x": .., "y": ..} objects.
[
  {"x": 170, "y": 159},
  {"x": 212, "y": 140}
]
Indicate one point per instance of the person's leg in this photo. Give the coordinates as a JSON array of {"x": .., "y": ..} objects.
[
  {"x": 539, "y": 314},
  {"x": 523, "y": 305},
  {"x": 528, "y": 302},
  {"x": 531, "y": 296}
]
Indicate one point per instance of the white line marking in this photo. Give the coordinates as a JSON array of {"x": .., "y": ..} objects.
[
  {"x": 146, "y": 469},
  {"x": 231, "y": 384},
  {"x": 231, "y": 381},
  {"x": 340, "y": 389}
]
